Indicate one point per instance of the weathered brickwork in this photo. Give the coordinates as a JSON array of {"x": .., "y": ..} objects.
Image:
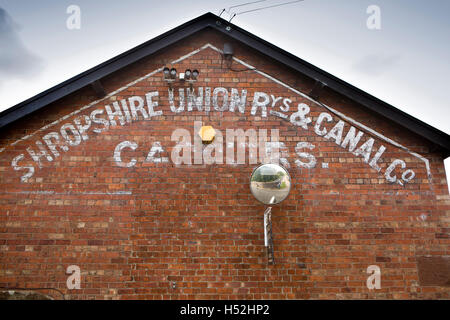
[{"x": 156, "y": 230}]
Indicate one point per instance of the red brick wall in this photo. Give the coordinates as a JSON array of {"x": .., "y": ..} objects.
[{"x": 161, "y": 231}]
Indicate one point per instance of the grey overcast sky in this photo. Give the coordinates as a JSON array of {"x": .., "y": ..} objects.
[{"x": 405, "y": 63}]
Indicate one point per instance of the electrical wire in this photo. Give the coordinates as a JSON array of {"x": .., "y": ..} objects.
[
  {"x": 229, "y": 66},
  {"x": 236, "y": 6},
  {"x": 244, "y": 4},
  {"x": 272, "y": 6}
]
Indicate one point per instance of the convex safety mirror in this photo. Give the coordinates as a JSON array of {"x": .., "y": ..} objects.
[{"x": 270, "y": 183}]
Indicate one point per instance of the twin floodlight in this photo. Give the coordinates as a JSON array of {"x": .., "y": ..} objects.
[
  {"x": 191, "y": 75},
  {"x": 170, "y": 76}
]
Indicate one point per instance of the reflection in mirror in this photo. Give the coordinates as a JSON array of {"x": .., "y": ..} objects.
[{"x": 270, "y": 183}]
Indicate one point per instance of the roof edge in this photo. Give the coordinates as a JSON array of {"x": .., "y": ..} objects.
[
  {"x": 438, "y": 138},
  {"x": 430, "y": 133}
]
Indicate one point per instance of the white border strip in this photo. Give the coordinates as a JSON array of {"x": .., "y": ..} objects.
[
  {"x": 379, "y": 135},
  {"x": 104, "y": 98},
  {"x": 208, "y": 45}
]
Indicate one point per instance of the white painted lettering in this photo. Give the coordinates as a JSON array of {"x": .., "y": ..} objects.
[
  {"x": 322, "y": 116},
  {"x": 260, "y": 104},
  {"x": 118, "y": 150}
]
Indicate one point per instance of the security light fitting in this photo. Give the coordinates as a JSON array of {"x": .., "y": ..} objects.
[
  {"x": 188, "y": 74},
  {"x": 228, "y": 51},
  {"x": 170, "y": 76},
  {"x": 166, "y": 73},
  {"x": 195, "y": 74},
  {"x": 173, "y": 73},
  {"x": 191, "y": 76}
]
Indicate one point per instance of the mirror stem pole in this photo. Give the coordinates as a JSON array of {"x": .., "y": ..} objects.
[{"x": 268, "y": 241}]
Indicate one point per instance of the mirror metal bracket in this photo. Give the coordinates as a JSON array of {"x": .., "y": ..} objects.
[{"x": 268, "y": 240}]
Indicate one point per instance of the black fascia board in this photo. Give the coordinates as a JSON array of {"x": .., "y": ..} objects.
[{"x": 437, "y": 137}]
